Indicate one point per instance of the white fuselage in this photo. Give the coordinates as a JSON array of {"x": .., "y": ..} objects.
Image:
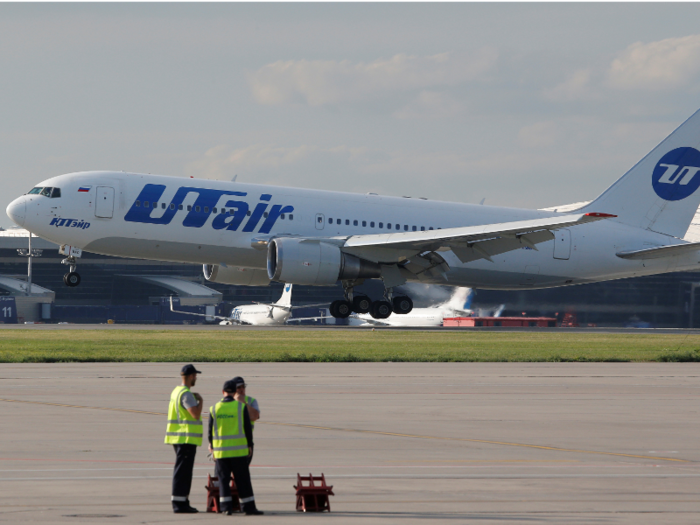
[
  {"x": 112, "y": 218},
  {"x": 260, "y": 315},
  {"x": 417, "y": 317}
]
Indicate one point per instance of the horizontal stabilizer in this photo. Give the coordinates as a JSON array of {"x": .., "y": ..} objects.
[{"x": 661, "y": 251}]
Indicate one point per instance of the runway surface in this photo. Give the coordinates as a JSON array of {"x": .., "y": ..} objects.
[
  {"x": 479, "y": 443},
  {"x": 219, "y": 328}
]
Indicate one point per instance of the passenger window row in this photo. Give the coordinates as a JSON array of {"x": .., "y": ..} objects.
[{"x": 397, "y": 227}]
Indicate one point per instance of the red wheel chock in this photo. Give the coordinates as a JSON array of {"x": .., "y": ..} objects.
[
  {"x": 212, "y": 487},
  {"x": 313, "y": 497}
]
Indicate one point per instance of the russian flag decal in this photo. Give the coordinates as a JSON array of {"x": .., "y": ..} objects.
[{"x": 84, "y": 189}]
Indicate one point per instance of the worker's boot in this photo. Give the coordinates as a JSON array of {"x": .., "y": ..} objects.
[
  {"x": 184, "y": 508},
  {"x": 251, "y": 510},
  {"x": 227, "y": 509}
]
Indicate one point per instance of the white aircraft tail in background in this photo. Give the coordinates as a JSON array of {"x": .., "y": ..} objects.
[
  {"x": 461, "y": 300},
  {"x": 286, "y": 300}
]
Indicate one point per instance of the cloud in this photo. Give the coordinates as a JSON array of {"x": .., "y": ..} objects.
[
  {"x": 324, "y": 82},
  {"x": 539, "y": 135},
  {"x": 431, "y": 105},
  {"x": 577, "y": 87},
  {"x": 666, "y": 64},
  {"x": 223, "y": 162}
]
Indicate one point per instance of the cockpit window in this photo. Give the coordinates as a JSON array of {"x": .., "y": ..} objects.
[{"x": 51, "y": 193}]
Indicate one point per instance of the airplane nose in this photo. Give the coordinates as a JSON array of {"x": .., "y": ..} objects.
[{"x": 17, "y": 211}]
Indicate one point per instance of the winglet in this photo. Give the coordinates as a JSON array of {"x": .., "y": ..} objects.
[{"x": 601, "y": 215}]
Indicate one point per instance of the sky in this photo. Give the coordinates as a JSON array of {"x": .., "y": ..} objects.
[{"x": 525, "y": 105}]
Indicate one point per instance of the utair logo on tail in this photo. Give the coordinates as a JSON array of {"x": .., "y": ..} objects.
[
  {"x": 675, "y": 176},
  {"x": 149, "y": 208}
]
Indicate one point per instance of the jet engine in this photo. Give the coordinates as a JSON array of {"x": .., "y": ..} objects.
[
  {"x": 235, "y": 275},
  {"x": 302, "y": 261}
]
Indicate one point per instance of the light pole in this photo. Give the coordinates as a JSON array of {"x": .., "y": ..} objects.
[{"x": 29, "y": 254}]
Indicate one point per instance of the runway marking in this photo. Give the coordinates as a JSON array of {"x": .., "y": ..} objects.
[
  {"x": 485, "y": 441},
  {"x": 79, "y": 406},
  {"x": 485, "y": 461},
  {"x": 90, "y": 461},
  {"x": 381, "y": 433}
]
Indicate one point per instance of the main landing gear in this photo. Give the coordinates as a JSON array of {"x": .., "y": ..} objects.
[
  {"x": 72, "y": 278},
  {"x": 361, "y": 304}
]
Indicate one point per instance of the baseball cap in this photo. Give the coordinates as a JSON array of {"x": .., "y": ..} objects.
[
  {"x": 189, "y": 369},
  {"x": 238, "y": 381},
  {"x": 230, "y": 386}
]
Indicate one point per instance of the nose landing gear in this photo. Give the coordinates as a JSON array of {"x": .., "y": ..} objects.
[{"x": 72, "y": 278}]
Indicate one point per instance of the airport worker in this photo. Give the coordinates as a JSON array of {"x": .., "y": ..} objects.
[
  {"x": 230, "y": 442},
  {"x": 184, "y": 433},
  {"x": 252, "y": 405}
]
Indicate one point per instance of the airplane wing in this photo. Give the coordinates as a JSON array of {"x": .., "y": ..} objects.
[
  {"x": 416, "y": 251},
  {"x": 660, "y": 251},
  {"x": 289, "y": 308},
  {"x": 476, "y": 239},
  {"x": 229, "y": 319}
]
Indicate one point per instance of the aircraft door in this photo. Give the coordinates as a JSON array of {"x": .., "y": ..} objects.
[
  {"x": 104, "y": 202},
  {"x": 562, "y": 244},
  {"x": 320, "y": 221}
]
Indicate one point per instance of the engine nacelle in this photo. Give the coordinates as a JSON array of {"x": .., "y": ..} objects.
[
  {"x": 298, "y": 261},
  {"x": 235, "y": 275}
]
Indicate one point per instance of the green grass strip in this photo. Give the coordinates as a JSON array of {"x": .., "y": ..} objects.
[{"x": 64, "y": 346}]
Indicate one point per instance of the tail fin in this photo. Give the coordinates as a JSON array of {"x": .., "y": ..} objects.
[
  {"x": 660, "y": 192},
  {"x": 462, "y": 299},
  {"x": 286, "y": 299}
]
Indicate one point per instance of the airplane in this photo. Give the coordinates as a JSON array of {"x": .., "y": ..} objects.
[
  {"x": 458, "y": 305},
  {"x": 250, "y": 234},
  {"x": 258, "y": 314}
]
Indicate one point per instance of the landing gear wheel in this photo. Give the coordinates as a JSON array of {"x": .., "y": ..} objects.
[
  {"x": 340, "y": 309},
  {"x": 72, "y": 279},
  {"x": 361, "y": 304},
  {"x": 380, "y": 309},
  {"x": 402, "y": 305}
]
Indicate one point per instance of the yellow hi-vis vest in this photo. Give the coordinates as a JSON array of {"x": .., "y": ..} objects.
[
  {"x": 249, "y": 400},
  {"x": 227, "y": 435},
  {"x": 182, "y": 427}
]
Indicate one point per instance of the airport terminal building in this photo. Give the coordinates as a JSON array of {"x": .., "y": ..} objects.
[{"x": 138, "y": 291}]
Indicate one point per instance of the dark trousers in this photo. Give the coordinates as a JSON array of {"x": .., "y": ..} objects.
[
  {"x": 241, "y": 474},
  {"x": 182, "y": 474},
  {"x": 250, "y": 458}
]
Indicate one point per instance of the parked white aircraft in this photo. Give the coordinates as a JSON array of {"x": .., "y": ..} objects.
[
  {"x": 258, "y": 314},
  {"x": 459, "y": 305},
  {"x": 251, "y": 234}
]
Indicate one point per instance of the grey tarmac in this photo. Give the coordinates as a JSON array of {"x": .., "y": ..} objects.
[{"x": 496, "y": 443}]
